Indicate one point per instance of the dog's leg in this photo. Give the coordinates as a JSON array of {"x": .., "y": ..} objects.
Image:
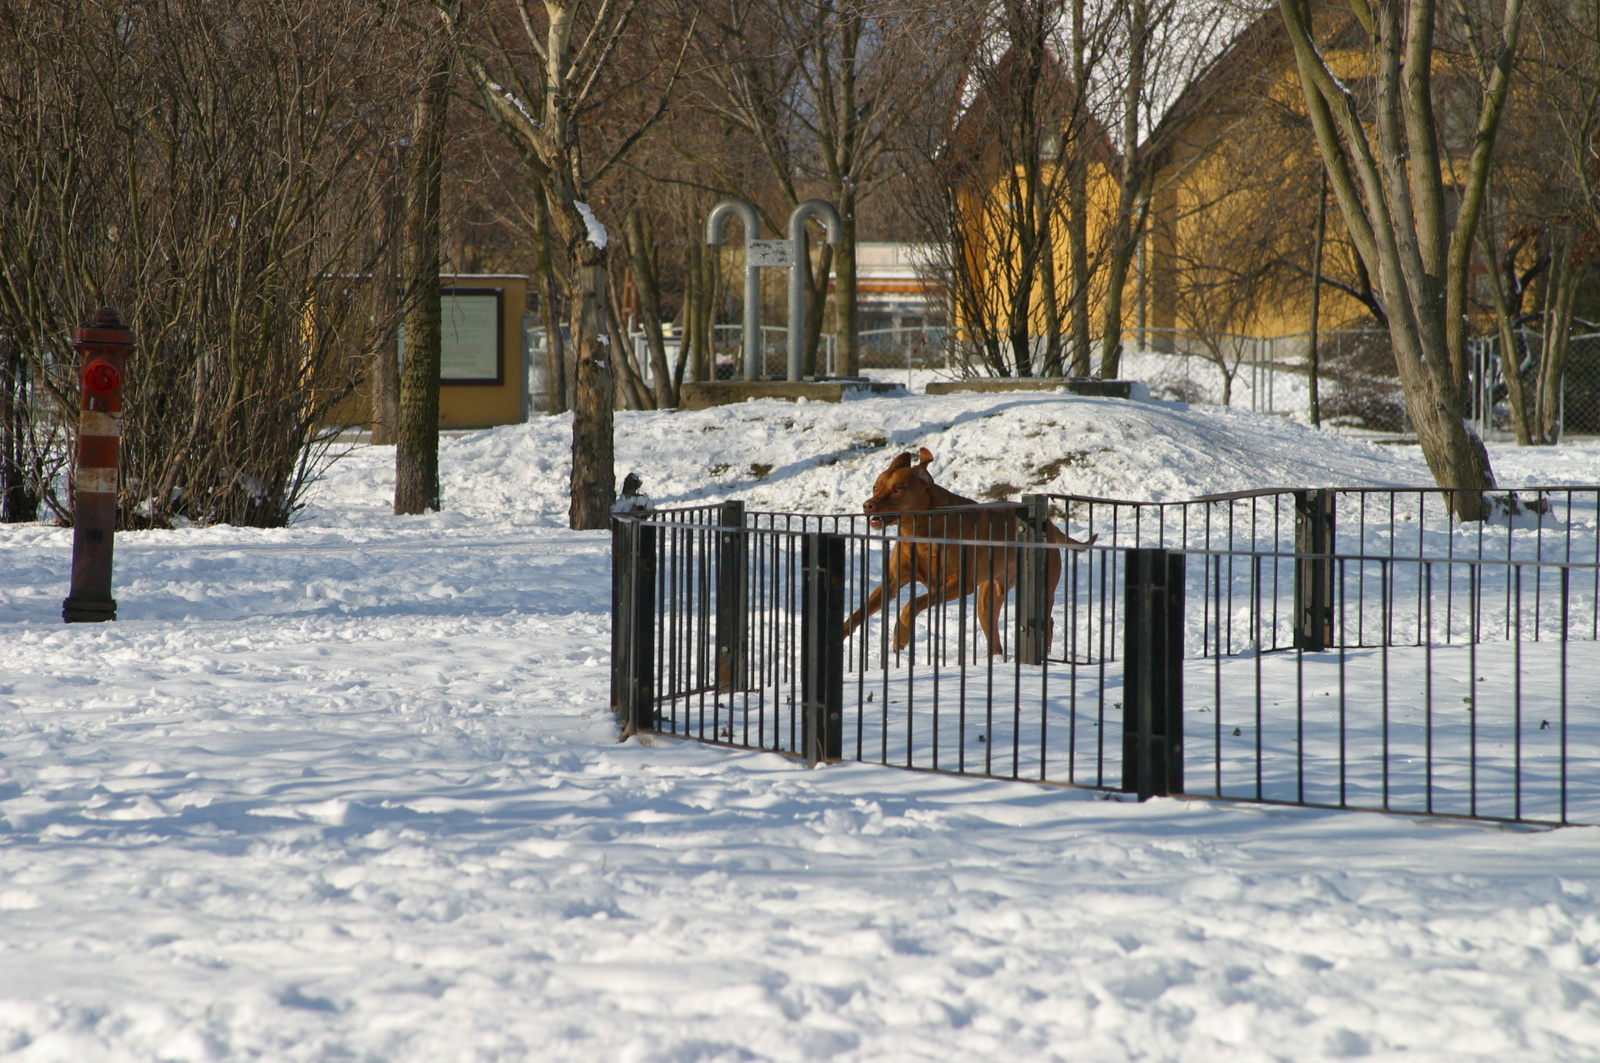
[
  {"x": 893, "y": 580},
  {"x": 948, "y": 589},
  {"x": 990, "y": 595},
  {"x": 925, "y": 570}
]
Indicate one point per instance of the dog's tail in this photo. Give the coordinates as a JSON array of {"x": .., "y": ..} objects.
[{"x": 1061, "y": 538}]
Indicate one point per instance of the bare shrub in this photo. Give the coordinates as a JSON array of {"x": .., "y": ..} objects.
[{"x": 212, "y": 170}]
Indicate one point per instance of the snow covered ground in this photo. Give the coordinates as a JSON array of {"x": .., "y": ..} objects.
[{"x": 351, "y": 791}]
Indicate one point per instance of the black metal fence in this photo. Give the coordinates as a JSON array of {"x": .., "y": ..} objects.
[{"x": 1348, "y": 649}]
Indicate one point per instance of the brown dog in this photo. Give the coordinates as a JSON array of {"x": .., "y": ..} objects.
[{"x": 906, "y": 495}]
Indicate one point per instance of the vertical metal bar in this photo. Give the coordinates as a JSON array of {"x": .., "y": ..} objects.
[
  {"x": 936, "y": 640},
  {"x": 1152, "y": 735},
  {"x": 1383, "y": 591},
  {"x": 1427, "y": 685},
  {"x": 1565, "y": 604},
  {"x": 886, "y": 609},
  {"x": 1300, "y": 725},
  {"x": 1517, "y": 696},
  {"x": 964, "y": 573},
  {"x": 988, "y": 695},
  {"x": 704, "y": 648},
  {"x": 1255, "y": 622},
  {"x": 1344, "y": 761},
  {"x": 910, "y": 622},
  {"x": 822, "y": 647},
  {"x": 1100, "y": 726},
  {"x": 1472, "y": 691},
  {"x": 1216, "y": 671}
]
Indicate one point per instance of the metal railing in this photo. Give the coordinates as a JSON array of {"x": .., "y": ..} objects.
[{"x": 1341, "y": 663}]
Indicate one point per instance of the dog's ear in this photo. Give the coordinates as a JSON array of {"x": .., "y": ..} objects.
[
  {"x": 900, "y": 461},
  {"x": 926, "y": 455}
]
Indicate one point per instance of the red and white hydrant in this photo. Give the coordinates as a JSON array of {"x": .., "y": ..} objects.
[{"x": 104, "y": 348}]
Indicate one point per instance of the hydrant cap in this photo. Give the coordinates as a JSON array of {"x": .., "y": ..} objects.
[
  {"x": 106, "y": 330},
  {"x": 102, "y": 378}
]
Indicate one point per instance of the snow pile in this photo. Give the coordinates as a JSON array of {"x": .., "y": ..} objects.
[
  {"x": 351, "y": 790},
  {"x": 821, "y": 457}
]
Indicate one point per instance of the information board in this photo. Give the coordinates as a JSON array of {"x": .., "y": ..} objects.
[{"x": 470, "y": 341}]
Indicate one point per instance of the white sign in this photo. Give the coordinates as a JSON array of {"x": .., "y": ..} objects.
[
  {"x": 469, "y": 340},
  {"x": 769, "y": 254}
]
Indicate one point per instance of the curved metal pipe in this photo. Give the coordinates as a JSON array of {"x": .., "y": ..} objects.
[
  {"x": 825, "y": 212},
  {"x": 716, "y": 221}
]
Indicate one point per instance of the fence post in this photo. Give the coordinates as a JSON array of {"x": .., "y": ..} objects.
[
  {"x": 633, "y": 615},
  {"x": 1314, "y": 513},
  {"x": 733, "y": 622},
  {"x": 1152, "y": 714},
  {"x": 1033, "y": 584},
  {"x": 822, "y": 647}
]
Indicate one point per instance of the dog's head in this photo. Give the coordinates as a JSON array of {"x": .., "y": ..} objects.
[{"x": 903, "y": 488}]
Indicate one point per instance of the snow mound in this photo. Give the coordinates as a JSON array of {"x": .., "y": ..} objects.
[{"x": 823, "y": 458}]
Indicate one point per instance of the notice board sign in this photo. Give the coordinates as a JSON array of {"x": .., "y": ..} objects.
[{"x": 471, "y": 336}]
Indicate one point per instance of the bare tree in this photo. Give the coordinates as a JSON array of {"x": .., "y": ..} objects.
[
  {"x": 549, "y": 80},
  {"x": 416, "y": 456},
  {"x": 1389, "y": 178},
  {"x": 1158, "y": 78},
  {"x": 1002, "y": 181}
]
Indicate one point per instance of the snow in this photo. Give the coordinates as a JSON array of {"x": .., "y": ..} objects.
[
  {"x": 597, "y": 232},
  {"x": 352, "y": 790},
  {"x": 522, "y": 108}
]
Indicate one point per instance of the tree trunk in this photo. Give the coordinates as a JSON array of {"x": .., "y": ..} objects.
[
  {"x": 1560, "y": 287},
  {"x": 818, "y": 273},
  {"x": 385, "y": 366},
  {"x": 1510, "y": 350},
  {"x": 1391, "y": 194},
  {"x": 1125, "y": 229},
  {"x": 1118, "y": 262},
  {"x": 416, "y": 462},
  {"x": 19, "y": 500},
  {"x": 647, "y": 278},
  {"x": 631, "y": 392},
  {"x": 847, "y": 313},
  {"x": 1078, "y": 201},
  {"x": 594, "y": 481},
  {"x": 1049, "y": 284},
  {"x": 555, "y": 348},
  {"x": 1313, "y": 355}
]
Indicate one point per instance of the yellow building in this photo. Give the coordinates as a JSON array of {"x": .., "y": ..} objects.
[{"x": 1235, "y": 195}]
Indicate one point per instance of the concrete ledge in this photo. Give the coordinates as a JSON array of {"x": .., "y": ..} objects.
[
  {"x": 730, "y": 392},
  {"x": 1104, "y": 389}
]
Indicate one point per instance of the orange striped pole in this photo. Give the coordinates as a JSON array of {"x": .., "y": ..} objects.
[{"x": 104, "y": 347}]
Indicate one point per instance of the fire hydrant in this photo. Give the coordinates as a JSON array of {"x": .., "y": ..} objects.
[{"x": 104, "y": 348}]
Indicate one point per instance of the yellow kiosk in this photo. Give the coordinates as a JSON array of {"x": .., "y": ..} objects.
[{"x": 482, "y": 378}]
